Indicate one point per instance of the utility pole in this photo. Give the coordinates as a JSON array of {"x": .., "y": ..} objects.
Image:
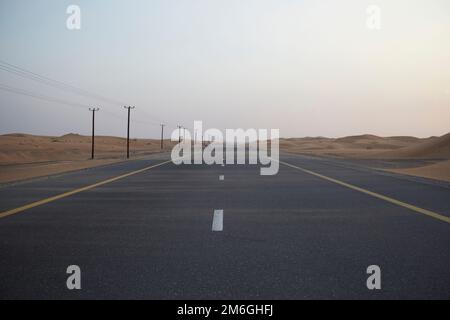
[
  {"x": 179, "y": 133},
  {"x": 162, "y": 135},
  {"x": 184, "y": 133},
  {"x": 128, "y": 131},
  {"x": 93, "y": 129}
]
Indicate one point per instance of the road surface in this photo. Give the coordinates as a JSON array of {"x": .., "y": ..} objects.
[{"x": 308, "y": 232}]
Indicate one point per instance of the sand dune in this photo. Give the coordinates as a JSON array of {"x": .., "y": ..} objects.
[
  {"x": 22, "y": 148},
  {"x": 372, "y": 147},
  {"x": 361, "y": 146},
  {"x": 438, "y": 171},
  {"x": 25, "y": 156},
  {"x": 437, "y": 148},
  {"x": 382, "y": 148}
]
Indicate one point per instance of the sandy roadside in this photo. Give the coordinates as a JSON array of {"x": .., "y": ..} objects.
[
  {"x": 14, "y": 173},
  {"x": 437, "y": 171},
  {"x": 22, "y": 172},
  {"x": 386, "y": 149},
  {"x": 25, "y": 157}
]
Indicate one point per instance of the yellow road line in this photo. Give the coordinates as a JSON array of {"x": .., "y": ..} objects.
[
  {"x": 69, "y": 193},
  {"x": 373, "y": 194}
]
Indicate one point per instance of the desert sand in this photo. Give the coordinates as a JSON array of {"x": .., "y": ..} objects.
[
  {"x": 25, "y": 156},
  {"x": 434, "y": 149},
  {"x": 438, "y": 171},
  {"x": 362, "y": 146}
]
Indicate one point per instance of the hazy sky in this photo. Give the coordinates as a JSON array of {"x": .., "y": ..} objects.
[{"x": 309, "y": 68}]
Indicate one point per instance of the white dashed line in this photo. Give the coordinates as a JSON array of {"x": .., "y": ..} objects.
[
  {"x": 217, "y": 224},
  {"x": 221, "y": 177}
]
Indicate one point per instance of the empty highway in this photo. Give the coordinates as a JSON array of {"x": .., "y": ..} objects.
[{"x": 143, "y": 229}]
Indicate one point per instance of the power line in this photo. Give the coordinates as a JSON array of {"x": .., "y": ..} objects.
[
  {"x": 94, "y": 110},
  {"x": 128, "y": 131},
  {"x": 162, "y": 135},
  {"x": 24, "y": 73},
  {"x": 41, "y": 97},
  {"x": 64, "y": 102},
  {"x": 30, "y": 75},
  {"x": 160, "y": 121},
  {"x": 179, "y": 133},
  {"x": 49, "y": 99}
]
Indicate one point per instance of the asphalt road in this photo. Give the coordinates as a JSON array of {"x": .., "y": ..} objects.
[{"x": 294, "y": 235}]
